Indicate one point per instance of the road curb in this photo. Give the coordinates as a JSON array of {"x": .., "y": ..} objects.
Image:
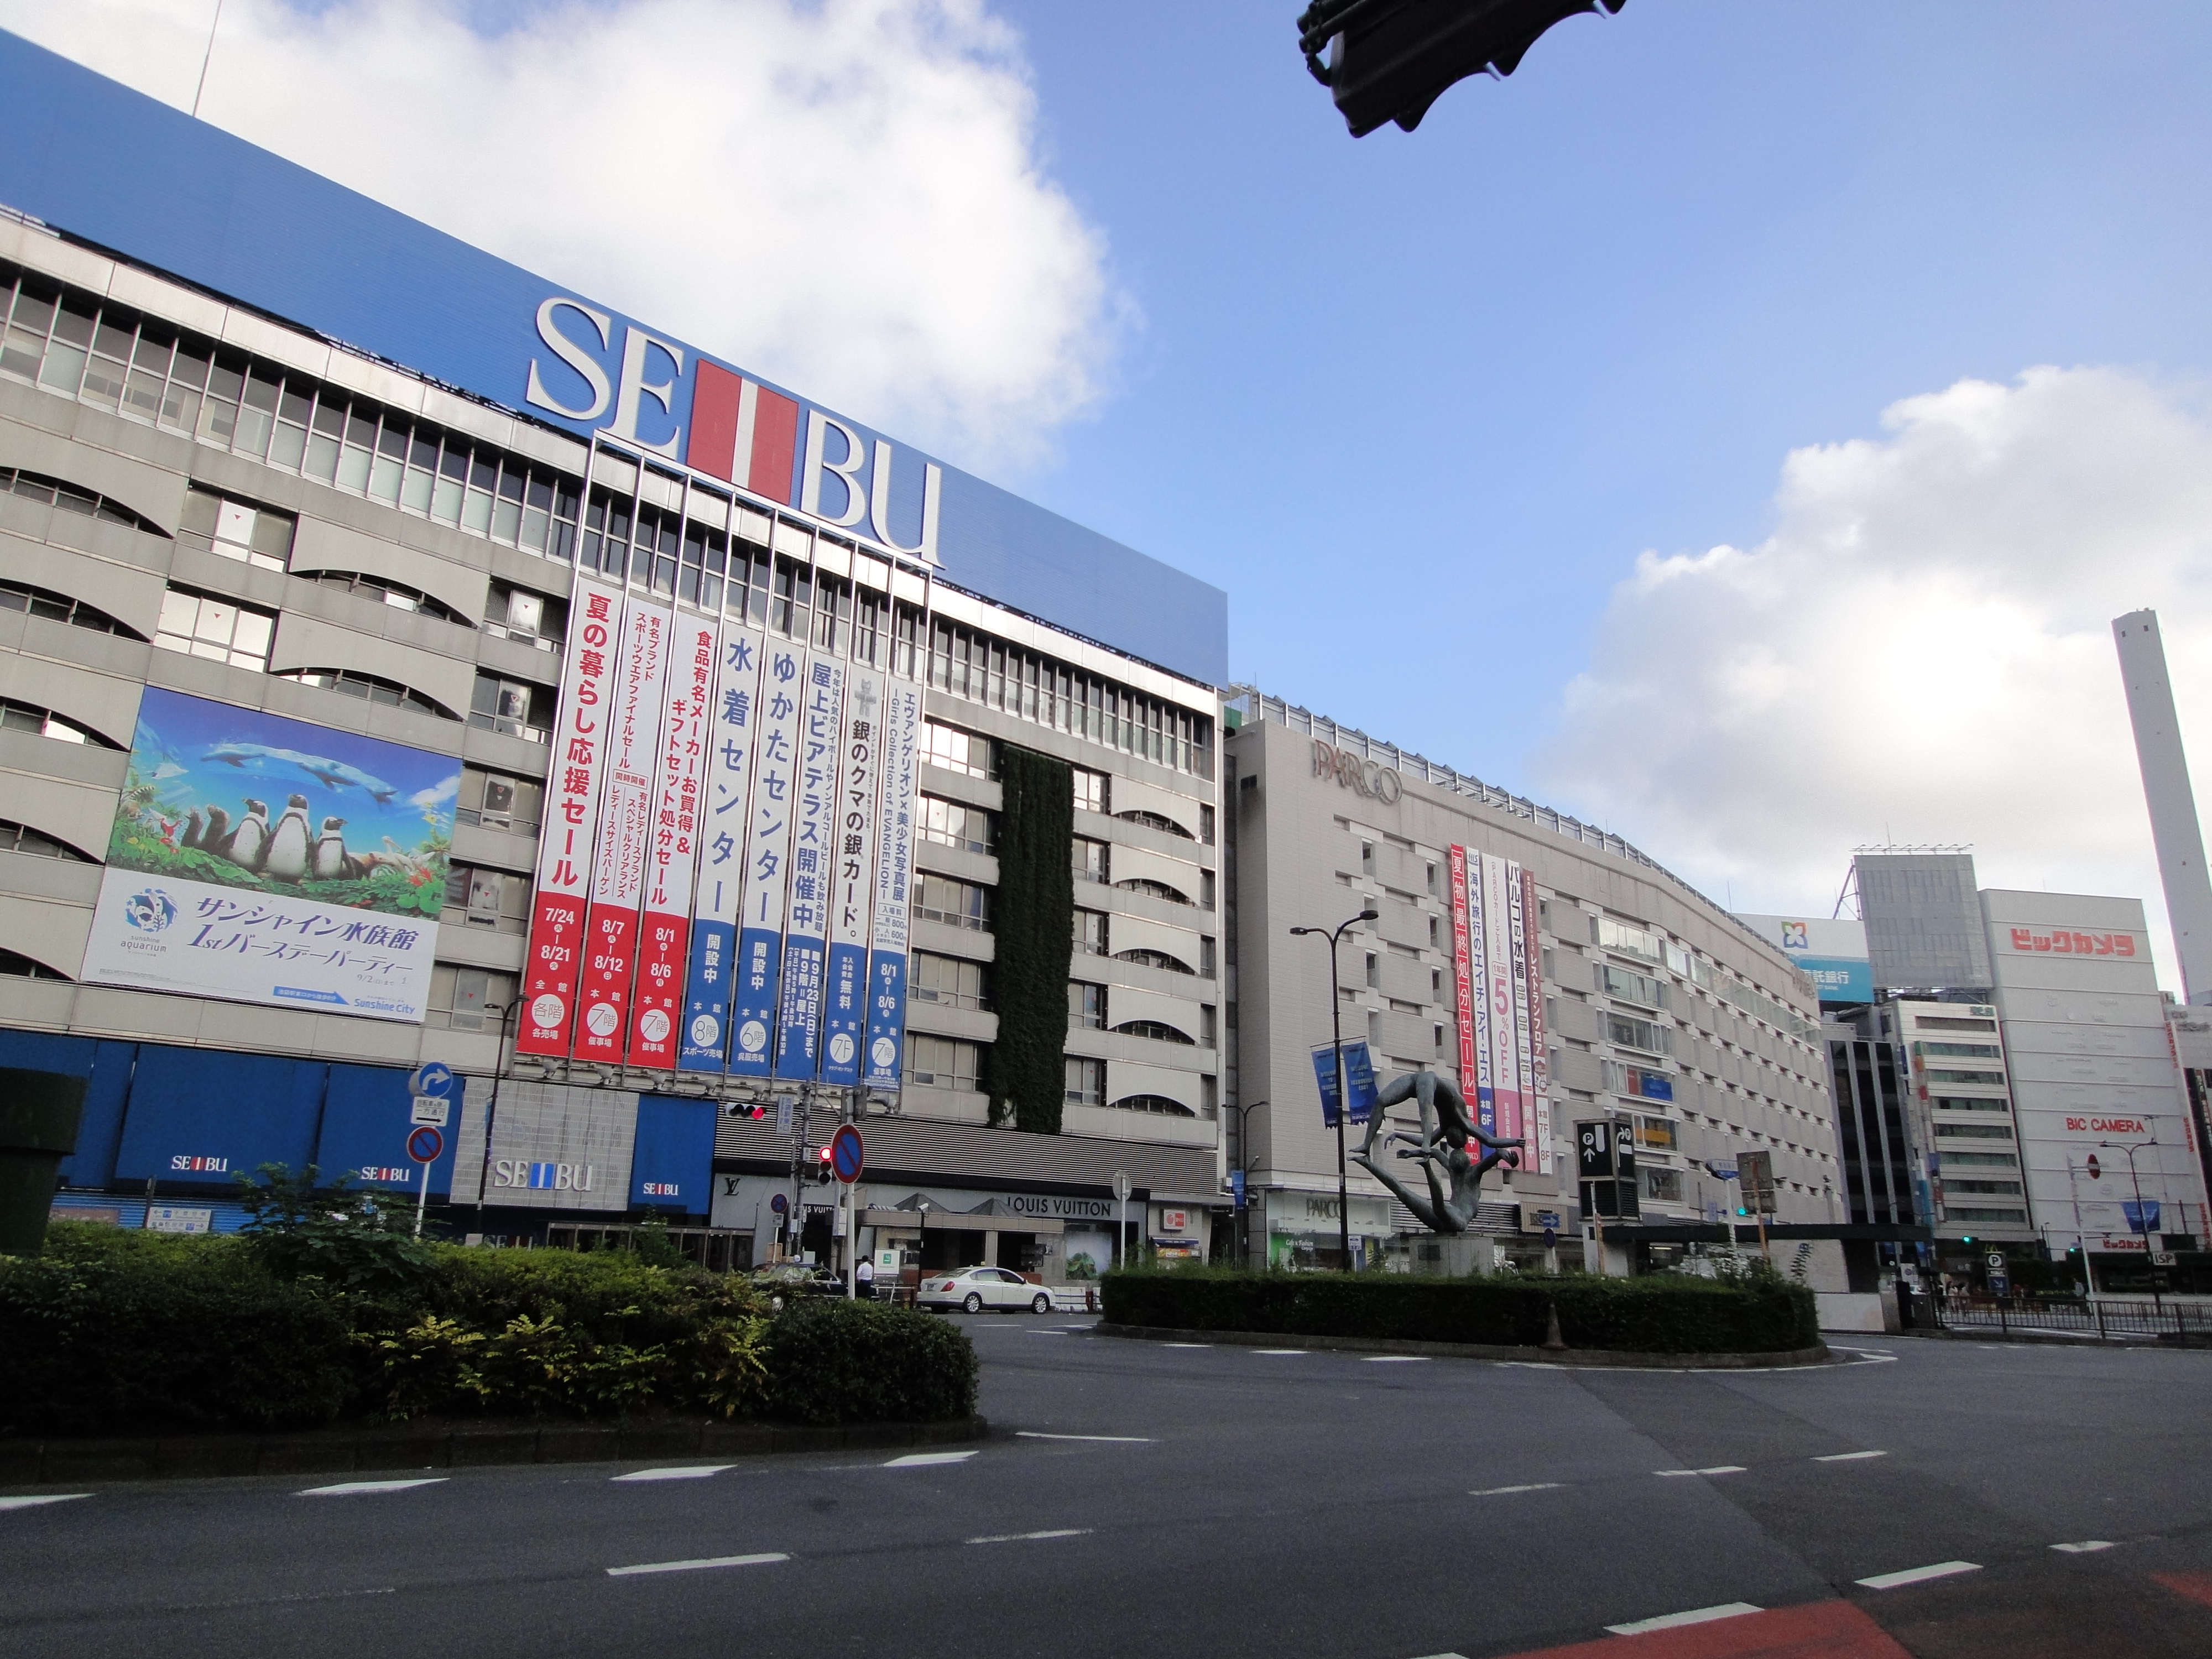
[
  {"x": 415, "y": 1446},
  {"x": 1820, "y": 1354}
]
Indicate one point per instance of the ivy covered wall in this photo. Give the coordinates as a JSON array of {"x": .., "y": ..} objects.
[{"x": 1025, "y": 1073}]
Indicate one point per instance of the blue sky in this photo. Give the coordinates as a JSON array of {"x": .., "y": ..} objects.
[
  {"x": 1447, "y": 384},
  {"x": 1739, "y": 427}
]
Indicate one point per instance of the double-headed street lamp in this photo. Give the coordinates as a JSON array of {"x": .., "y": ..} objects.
[
  {"x": 2141, "y": 1220},
  {"x": 1343, "y": 1096},
  {"x": 1244, "y": 1187}
]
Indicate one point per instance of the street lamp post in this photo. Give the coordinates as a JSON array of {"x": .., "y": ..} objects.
[
  {"x": 1343, "y": 1096},
  {"x": 491, "y": 1109},
  {"x": 2142, "y": 1221},
  {"x": 1244, "y": 1163}
]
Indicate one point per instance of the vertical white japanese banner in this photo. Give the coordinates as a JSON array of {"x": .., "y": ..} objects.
[
  {"x": 889, "y": 927},
  {"x": 1497, "y": 955},
  {"x": 625, "y": 840},
  {"x": 550, "y": 969},
  {"x": 735, "y": 719},
  {"x": 1524, "y": 1073},
  {"x": 860, "y": 791},
  {"x": 768, "y": 859},
  {"x": 1538, "y": 1115},
  {"x": 664, "y": 927},
  {"x": 813, "y": 830}
]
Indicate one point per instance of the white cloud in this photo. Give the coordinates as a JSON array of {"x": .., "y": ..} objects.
[
  {"x": 1921, "y": 651},
  {"x": 842, "y": 195}
]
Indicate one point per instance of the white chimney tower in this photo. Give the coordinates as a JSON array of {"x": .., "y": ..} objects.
[{"x": 2173, "y": 827}]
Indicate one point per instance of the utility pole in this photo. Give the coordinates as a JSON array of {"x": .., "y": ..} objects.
[{"x": 1343, "y": 1096}]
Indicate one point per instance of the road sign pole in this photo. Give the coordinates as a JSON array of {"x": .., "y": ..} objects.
[{"x": 424, "y": 1202}]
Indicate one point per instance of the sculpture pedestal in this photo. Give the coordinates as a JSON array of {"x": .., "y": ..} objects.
[{"x": 1453, "y": 1255}]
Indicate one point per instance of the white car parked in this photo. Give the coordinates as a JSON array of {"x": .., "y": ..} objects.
[{"x": 974, "y": 1289}]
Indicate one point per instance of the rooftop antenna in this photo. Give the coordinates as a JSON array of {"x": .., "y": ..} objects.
[{"x": 202, "y": 91}]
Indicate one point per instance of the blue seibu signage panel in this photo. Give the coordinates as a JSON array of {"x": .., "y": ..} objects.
[{"x": 100, "y": 161}]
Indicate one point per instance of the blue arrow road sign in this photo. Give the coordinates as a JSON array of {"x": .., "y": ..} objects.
[{"x": 434, "y": 1078}]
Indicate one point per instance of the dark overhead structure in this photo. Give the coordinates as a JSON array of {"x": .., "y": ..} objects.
[{"x": 1386, "y": 60}]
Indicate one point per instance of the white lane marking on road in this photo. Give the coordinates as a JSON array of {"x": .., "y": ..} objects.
[
  {"x": 1278, "y": 1350},
  {"x": 2086, "y": 1546},
  {"x": 1444, "y": 1656},
  {"x": 925, "y": 1459},
  {"x": 1674, "y": 1620},
  {"x": 1035, "y": 1332},
  {"x": 362, "y": 1488},
  {"x": 1849, "y": 1457},
  {"x": 1717, "y": 1468},
  {"x": 34, "y": 1503},
  {"x": 680, "y": 1471},
  {"x": 1397, "y": 1359},
  {"x": 1025, "y": 1537},
  {"x": 1919, "y": 1575},
  {"x": 1186, "y": 1344},
  {"x": 1500, "y": 1491},
  {"x": 1114, "y": 1439},
  {"x": 697, "y": 1566}
]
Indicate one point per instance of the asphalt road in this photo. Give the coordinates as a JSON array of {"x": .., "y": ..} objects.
[{"x": 1141, "y": 1499}]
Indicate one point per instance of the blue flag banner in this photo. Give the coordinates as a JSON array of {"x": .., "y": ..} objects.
[{"x": 1358, "y": 1077}]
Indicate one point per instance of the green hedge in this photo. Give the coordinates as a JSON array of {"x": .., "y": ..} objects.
[
  {"x": 112, "y": 1331},
  {"x": 1663, "y": 1314}
]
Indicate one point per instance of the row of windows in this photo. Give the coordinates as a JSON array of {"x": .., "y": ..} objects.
[
  {"x": 77, "y": 345},
  {"x": 1087, "y": 1008},
  {"x": 53, "y": 492},
  {"x": 219, "y": 630},
  {"x": 1034, "y": 687},
  {"x": 44, "y": 723},
  {"x": 371, "y": 688},
  {"x": 21, "y": 838},
  {"x": 1086, "y": 1086},
  {"x": 59, "y": 607}
]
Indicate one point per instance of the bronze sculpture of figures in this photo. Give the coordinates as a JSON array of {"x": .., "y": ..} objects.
[{"x": 1447, "y": 1129}]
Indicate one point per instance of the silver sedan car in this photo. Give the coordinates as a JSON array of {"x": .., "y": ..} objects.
[{"x": 971, "y": 1290}]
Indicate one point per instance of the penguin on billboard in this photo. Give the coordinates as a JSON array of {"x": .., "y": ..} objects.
[
  {"x": 330, "y": 860},
  {"x": 290, "y": 842},
  {"x": 251, "y": 839}
]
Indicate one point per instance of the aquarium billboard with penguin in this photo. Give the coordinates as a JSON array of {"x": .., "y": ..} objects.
[{"x": 264, "y": 859}]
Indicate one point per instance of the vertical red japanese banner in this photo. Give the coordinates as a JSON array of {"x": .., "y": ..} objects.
[
  {"x": 619, "y": 855},
  {"x": 564, "y": 844},
  {"x": 1462, "y": 976},
  {"x": 1536, "y": 1119},
  {"x": 673, "y": 855}
]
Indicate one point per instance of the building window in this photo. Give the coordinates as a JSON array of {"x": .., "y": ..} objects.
[
  {"x": 1610, "y": 935},
  {"x": 1206, "y": 1026},
  {"x": 69, "y": 498},
  {"x": 59, "y": 607},
  {"x": 1091, "y": 932},
  {"x": 1374, "y": 970},
  {"x": 1965, "y": 1103},
  {"x": 1087, "y": 1082},
  {"x": 1973, "y": 1131},
  {"x": 517, "y": 708},
  {"x": 948, "y": 981},
  {"x": 1630, "y": 987},
  {"x": 371, "y": 688},
  {"x": 1661, "y": 1185},
  {"x": 955, "y": 750},
  {"x": 1090, "y": 789},
  {"x": 488, "y": 898},
  {"x": 1434, "y": 934},
  {"x": 954, "y": 903},
  {"x": 218, "y": 629},
  {"x": 1086, "y": 1005},
  {"x": 1655, "y": 1134},
  {"x": 1432, "y": 880},
  {"x": 1156, "y": 821},
  {"x": 1206, "y": 957},
  {"x": 1155, "y": 1029},
  {"x": 21, "y": 838},
  {"x": 528, "y": 617},
  {"x": 14, "y": 965},
  {"x": 382, "y": 589},
  {"x": 44, "y": 723},
  {"x": 1436, "y": 985},
  {"x": 1159, "y": 1105},
  {"x": 1439, "y": 1032},
  {"x": 492, "y": 801},
  {"x": 1159, "y": 959},
  {"x": 938, "y": 1062},
  {"x": 238, "y": 530},
  {"x": 1151, "y": 889},
  {"x": 953, "y": 823},
  {"x": 1366, "y": 858},
  {"x": 1637, "y": 1034},
  {"x": 468, "y": 999},
  {"x": 1088, "y": 859},
  {"x": 1205, "y": 823}
]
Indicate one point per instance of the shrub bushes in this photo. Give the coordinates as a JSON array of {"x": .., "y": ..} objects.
[
  {"x": 1666, "y": 1314},
  {"x": 112, "y": 1331}
]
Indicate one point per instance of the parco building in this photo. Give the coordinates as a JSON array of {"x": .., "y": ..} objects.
[{"x": 405, "y": 657}]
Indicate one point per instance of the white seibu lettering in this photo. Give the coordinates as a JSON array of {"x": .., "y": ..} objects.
[{"x": 576, "y": 357}]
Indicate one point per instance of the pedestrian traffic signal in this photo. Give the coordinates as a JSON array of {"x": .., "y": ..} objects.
[{"x": 1388, "y": 60}]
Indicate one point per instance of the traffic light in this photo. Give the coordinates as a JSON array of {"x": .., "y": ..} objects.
[
  {"x": 738, "y": 1109},
  {"x": 1388, "y": 60},
  {"x": 825, "y": 1171}
]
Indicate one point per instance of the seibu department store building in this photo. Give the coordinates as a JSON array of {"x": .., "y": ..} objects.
[{"x": 404, "y": 658}]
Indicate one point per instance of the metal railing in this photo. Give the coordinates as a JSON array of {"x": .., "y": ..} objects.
[{"x": 2100, "y": 1319}]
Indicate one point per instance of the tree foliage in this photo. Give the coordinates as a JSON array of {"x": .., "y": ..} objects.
[{"x": 1025, "y": 1073}]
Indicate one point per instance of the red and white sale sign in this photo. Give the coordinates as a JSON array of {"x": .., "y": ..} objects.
[
  {"x": 672, "y": 852},
  {"x": 572, "y": 800}
]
